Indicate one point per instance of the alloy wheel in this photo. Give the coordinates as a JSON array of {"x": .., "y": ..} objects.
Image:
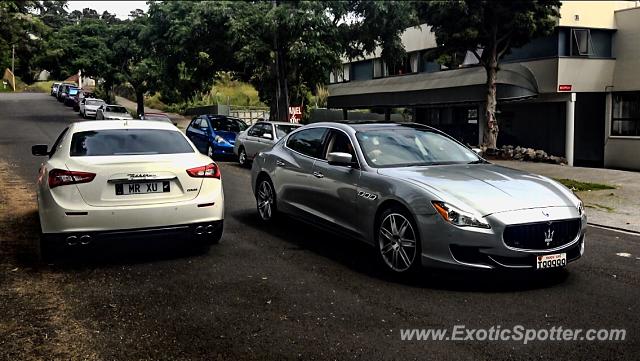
[
  {"x": 265, "y": 199},
  {"x": 242, "y": 158},
  {"x": 397, "y": 242}
]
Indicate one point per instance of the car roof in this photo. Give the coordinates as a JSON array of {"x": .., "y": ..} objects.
[
  {"x": 88, "y": 125},
  {"x": 361, "y": 125},
  {"x": 279, "y": 123}
]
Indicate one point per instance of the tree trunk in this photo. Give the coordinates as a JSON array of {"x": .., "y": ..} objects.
[
  {"x": 139, "y": 102},
  {"x": 490, "y": 134}
]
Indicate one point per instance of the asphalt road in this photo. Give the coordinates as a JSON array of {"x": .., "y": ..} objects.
[{"x": 287, "y": 291}]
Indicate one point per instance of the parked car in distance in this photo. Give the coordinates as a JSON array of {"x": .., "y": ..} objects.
[
  {"x": 157, "y": 117},
  {"x": 89, "y": 106},
  {"x": 109, "y": 179},
  {"x": 63, "y": 91},
  {"x": 215, "y": 134},
  {"x": 70, "y": 94},
  {"x": 419, "y": 197},
  {"x": 112, "y": 112},
  {"x": 258, "y": 137},
  {"x": 54, "y": 88}
]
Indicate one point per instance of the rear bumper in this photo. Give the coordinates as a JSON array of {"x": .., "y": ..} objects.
[{"x": 200, "y": 230}]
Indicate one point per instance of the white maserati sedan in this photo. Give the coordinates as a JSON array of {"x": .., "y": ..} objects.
[{"x": 105, "y": 180}]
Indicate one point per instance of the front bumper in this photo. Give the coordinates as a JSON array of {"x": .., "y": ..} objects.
[
  {"x": 447, "y": 246},
  {"x": 222, "y": 149}
]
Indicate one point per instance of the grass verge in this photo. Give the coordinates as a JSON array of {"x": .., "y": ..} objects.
[{"x": 578, "y": 186}]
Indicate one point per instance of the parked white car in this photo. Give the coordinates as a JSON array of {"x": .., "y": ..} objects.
[
  {"x": 260, "y": 136},
  {"x": 112, "y": 112},
  {"x": 89, "y": 107},
  {"x": 109, "y": 179}
]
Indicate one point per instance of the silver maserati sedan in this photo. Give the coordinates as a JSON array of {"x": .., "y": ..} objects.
[{"x": 419, "y": 197}]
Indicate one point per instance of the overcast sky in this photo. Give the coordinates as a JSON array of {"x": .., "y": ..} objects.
[{"x": 120, "y": 8}]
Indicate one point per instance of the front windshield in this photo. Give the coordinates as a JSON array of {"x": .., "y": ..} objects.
[
  {"x": 408, "y": 146},
  {"x": 282, "y": 130}
]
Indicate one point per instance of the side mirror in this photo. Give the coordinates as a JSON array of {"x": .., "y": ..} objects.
[
  {"x": 40, "y": 149},
  {"x": 339, "y": 158},
  {"x": 267, "y": 136}
]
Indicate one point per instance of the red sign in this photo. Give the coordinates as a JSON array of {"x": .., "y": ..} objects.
[
  {"x": 564, "y": 87},
  {"x": 295, "y": 114}
]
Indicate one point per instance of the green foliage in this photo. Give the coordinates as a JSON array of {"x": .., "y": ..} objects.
[{"x": 578, "y": 186}]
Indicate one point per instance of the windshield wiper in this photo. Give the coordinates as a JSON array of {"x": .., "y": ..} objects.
[{"x": 479, "y": 161}]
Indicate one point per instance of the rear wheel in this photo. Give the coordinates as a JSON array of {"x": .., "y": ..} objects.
[
  {"x": 397, "y": 241},
  {"x": 266, "y": 200},
  {"x": 242, "y": 157}
]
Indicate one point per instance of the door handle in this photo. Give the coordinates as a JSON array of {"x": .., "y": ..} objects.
[
  {"x": 318, "y": 175},
  {"x": 280, "y": 163}
]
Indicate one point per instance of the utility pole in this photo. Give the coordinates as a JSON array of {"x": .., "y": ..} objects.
[{"x": 13, "y": 66}]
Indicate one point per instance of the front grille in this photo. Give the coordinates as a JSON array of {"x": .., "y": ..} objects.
[{"x": 544, "y": 235}]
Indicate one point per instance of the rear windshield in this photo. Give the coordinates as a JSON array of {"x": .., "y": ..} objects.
[
  {"x": 113, "y": 109},
  {"x": 128, "y": 142},
  {"x": 94, "y": 102},
  {"x": 73, "y": 91}
]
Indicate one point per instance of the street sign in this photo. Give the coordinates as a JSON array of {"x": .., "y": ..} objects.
[{"x": 295, "y": 114}]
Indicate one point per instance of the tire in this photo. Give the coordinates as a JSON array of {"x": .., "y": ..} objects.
[
  {"x": 397, "y": 241},
  {"x": 266, "y": 200},
  {"x": 48, "y": 249},
  {"x": 242, "y": 157}
]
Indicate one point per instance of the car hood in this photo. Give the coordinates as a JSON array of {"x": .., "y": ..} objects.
[
  {"x": 486, "y": 188},
  {"x": 230, "y": 137}
]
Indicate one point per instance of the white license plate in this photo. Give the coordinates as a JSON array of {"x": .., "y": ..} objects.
[
  {"x": 551, "y": 261},
  {"x": 142, "y": 188}
]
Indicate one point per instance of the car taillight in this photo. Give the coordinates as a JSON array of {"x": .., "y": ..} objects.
[
  {"x": 206, "y": 171},
  {"x": 61, "y": 177}
]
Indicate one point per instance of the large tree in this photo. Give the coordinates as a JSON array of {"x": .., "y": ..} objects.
[
  {"x": 22, "y": 30},
  {"x": 489, "y": 29}
]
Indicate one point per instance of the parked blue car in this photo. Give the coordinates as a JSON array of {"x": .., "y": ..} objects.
[{"x": 215, "y": 134}]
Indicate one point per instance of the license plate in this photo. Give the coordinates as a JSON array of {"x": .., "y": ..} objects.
[
  {"x": 551, "y": 261},
  {"x": 142, "y": 188}
]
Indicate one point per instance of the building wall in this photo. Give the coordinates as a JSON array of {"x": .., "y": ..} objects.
[
  {"x": 592, "y": 14},
  {"x": 626, "y": 49},
  {"x": 586, "y": 75}
]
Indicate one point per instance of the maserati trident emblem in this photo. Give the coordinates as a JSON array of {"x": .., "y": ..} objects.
[
  {"x": 548, "y": 236},
  {"x": 545, "y": 213}
]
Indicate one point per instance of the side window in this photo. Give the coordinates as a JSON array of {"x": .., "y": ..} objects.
[
  {"x": 339, "y": 142},
  {"x": 256, "y": 130},
  {"x": 267, "y": 128},
  {"x": 56, "y": 144},
  {"x": 308, "y": 142}
]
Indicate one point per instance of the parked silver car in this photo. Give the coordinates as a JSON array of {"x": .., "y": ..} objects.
[
  {"x": 420, "y": 197},
  {"x": 112, "y": 112},
  {"x": 260, "y": 136},
  {"x": 89, "y": 107}
]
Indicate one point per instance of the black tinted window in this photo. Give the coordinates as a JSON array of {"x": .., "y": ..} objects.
[
  {"x": 227, "y": 124},
  {"x": 114, "y": 109},
  {"x": 128, "y": 142},
  {"x": 256, "y": 130},
  {"x": 308, "y": 142},
  {"x": 282, "y": 130}
]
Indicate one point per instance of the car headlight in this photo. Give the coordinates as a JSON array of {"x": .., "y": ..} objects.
[
  {"x": 219, "y": 139},
  {"x": 580, "y": 207},
  {"x": 459, "y": 217}
]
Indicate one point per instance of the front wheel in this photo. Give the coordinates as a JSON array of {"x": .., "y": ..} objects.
[
  {"x": 397, "y": 241},
  {"x": 266, "y": 200},
  {"x": 242, "y": 158}
]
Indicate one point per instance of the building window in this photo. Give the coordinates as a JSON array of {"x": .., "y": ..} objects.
[
  {"x": 581, "y": 43},
  {"x": 362, "y": 70},
  {"x": 625, "y": 120}
]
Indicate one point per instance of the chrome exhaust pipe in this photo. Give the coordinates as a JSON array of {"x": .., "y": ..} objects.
[
  {"x": 85, "y": 240},
  {"x": 199, "y": 230},
  {"x": 72, "y": 240},
  {"x": 210, "y": 228}
]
